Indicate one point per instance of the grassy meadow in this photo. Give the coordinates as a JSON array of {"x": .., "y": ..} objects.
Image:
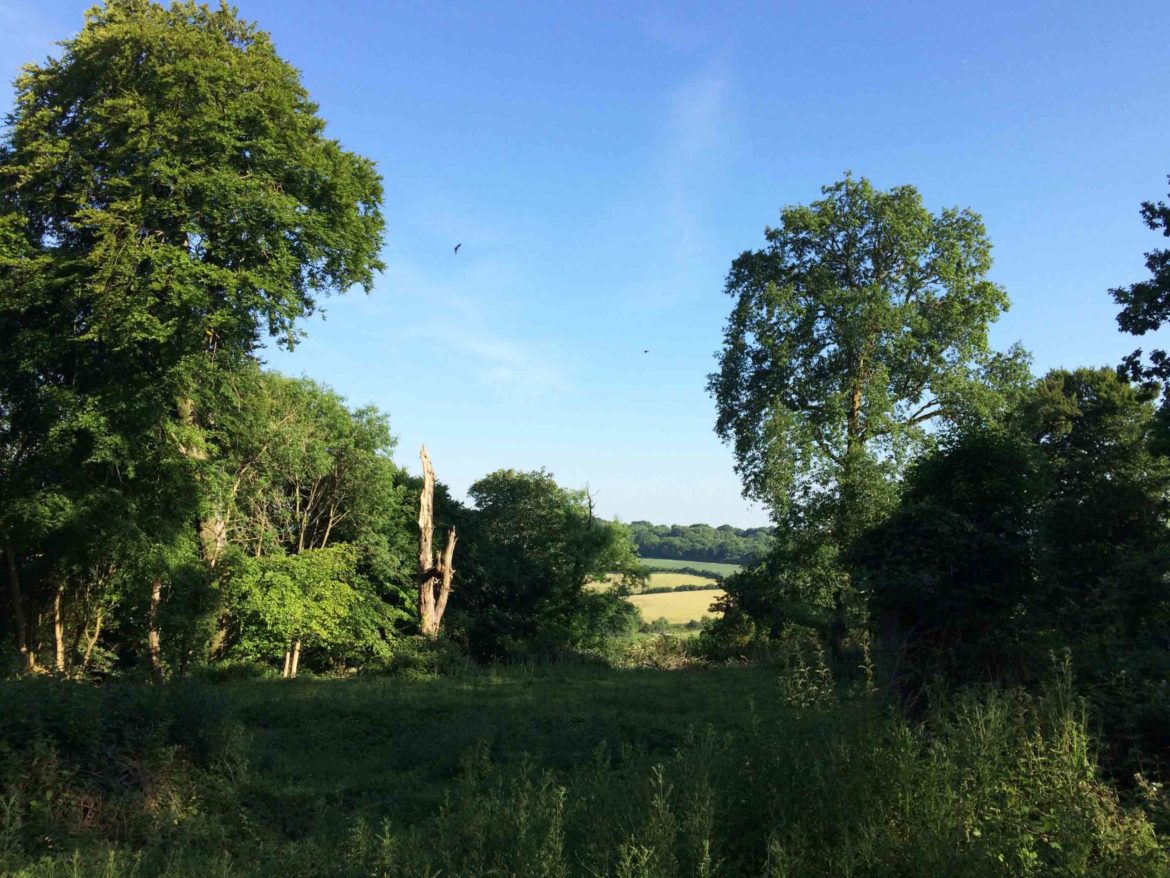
[{"x": 563, "y": 770}]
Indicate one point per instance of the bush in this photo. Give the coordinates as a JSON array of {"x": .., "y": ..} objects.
[
  {"x": 664, "y": 652},
  {"x": 659, "y": 626},
  {"x": 126, "y": 761},
  {"x": 233, "y": 670},
  {"x": 418, "y": 657}
]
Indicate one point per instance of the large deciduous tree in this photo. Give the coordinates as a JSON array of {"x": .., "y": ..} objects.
[
  {"x": 864, "y": 319},
  {"x": 862, "y": 323},
  {"x": 168, "y": 197}
]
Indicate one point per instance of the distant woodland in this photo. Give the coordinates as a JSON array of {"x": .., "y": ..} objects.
[{"x": 701, "y": 542}]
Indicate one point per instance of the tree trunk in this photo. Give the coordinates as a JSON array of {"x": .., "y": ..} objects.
[
  {"x": 59, "y": 628},
  {"x": 213, "y": 528},
  {"x": 153, "y": 640},
  {"x": 446, "y": 572},
  {"x": 287, "y": 662},
  {"x": 91, "y": 642},
  {"x": 853, "y": 420},
  {"x": 213, "y": 538},
  {"x": 26, "y": 656},
  {"x": 296, "y": 658},
  {"x": 431, "y": 606}
]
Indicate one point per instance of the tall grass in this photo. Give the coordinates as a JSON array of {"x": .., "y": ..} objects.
[{"x": 586, "y": 772}]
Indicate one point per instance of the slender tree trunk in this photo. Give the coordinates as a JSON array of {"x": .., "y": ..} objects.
[
  {"x": 26, "y": 656},
  {"x": 154, "y": 641},
  {"x": 853, "y": 420},
  {"x": 431, "y": 575},
  {"x": 446, "y": 573},
  {"x": 78, "y": 633},
  {"x": 287, "y": 662},
  {"x": 59, "y": 627},
  {"x": 91, "y": 642},
  {"x": 296, "y": 658}
]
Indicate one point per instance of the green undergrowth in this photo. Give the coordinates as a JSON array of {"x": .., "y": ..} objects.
[{"x": 567, "y": 770}]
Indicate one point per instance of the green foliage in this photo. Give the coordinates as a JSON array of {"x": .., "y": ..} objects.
[
  {"x": 1008, "y": 544},
  {"x": 857, "y": 337},
  {"x": 951, "y": 573},
  {"x": 128, "y": 763},
  {"x": 167, "y": 198},
  {"x": 713, "y": 569},
  {"x": 421, "y": 658},
  {"x": 579, "y": 772},
  {"x": 700, "y": 542},
  {"x": 530, "y": 549},
  {"x": 1145, "y": 305},
  {"x": 702, "y": 573},
  {"x": 317, "y": 596},
  {"x": 865, "y": 318}
]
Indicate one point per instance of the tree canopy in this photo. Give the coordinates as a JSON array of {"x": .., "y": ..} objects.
[
  {"x": 532, "y": 548},
  {"x": 1145, "y": 304},
  {"x": 863, "y": 320}
]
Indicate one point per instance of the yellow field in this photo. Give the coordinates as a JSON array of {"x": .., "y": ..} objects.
[{"x": 677, "y": 607}]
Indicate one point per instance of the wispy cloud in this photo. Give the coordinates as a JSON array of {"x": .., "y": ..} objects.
[
  {"x": 507, "y": 366},
  {"x": 699, "y": 119},
  {"x": 465, "y": 316}
]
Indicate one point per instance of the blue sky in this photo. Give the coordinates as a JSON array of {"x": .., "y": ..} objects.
[{"x": 601, "y": 165}]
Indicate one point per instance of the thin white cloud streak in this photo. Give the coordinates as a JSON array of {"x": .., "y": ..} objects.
[
  {"x": 467, "y": 334},
  {"x": 699, "y": 116},
  {"x": 508, "y": 367}
]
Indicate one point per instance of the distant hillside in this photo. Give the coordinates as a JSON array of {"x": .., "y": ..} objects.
[{"x": 701, "y": 542}]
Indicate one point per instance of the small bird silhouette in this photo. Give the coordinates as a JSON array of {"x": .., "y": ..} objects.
[
  {"x": 457, "y": 246},
  {"x": 646, "y": 351}
]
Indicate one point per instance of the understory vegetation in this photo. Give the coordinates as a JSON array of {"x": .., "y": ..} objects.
[{"x": 564, "y": 769}]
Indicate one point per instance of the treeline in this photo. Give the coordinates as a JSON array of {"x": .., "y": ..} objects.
[
  {"x": 165, "y": 504},
  {"x": 701, "y": 542}
]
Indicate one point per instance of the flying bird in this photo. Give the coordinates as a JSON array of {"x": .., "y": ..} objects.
[
  {"x": 646, "y": 351},
  {"x": 457, "y": 246}
]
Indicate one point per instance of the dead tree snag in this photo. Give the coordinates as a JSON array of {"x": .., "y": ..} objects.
[{"x": 434, "y": 577}]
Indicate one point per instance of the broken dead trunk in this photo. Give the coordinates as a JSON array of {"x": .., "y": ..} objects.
[{"x": 434, "y": 577}]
